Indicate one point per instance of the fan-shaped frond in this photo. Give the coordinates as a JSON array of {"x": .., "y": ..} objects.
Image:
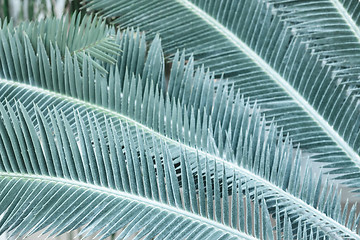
[{"x": 256, "y": 51}]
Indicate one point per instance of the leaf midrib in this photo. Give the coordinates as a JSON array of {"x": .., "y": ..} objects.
[
  {"x": 131, "y": 197},
  {"x": 348, "y": 150},
  {"x": 244, "y": 172},
  {"x": 347, "y": 18}
]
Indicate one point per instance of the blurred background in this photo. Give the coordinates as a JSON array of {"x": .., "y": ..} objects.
[{"x": 20, "y": 10}]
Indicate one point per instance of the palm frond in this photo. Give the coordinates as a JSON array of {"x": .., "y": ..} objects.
[
  {"x": 79, "y": 36},
  {"x": 112, "y": 195},
  {"x": 252, "y": 161},
  {"x": 120, "y": 164},
  {"x": 331, "y": 28},
  {"x": 256, "y": 51},
  {"x": 135, "y": 105}
]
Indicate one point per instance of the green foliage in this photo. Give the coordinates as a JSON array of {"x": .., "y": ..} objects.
[{"x": 98, "y": 132}]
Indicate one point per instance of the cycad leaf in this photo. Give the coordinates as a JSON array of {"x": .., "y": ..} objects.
[
  {"x": 83, "y": 35},
  {"x": 272, "y": 184},
  {"x": 244, "y": 151},
  {"x": 256, "y": 51},
  {"x": 334, "y": 37},
  {"x": 30, "y": 202}
]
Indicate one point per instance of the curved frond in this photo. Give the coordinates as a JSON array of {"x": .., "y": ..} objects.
[
  {"x": 112, "y": 195},
  {"x": 252, "y": 160},
  {"x": 256, "y": 51},
  {"x": 167, "y": 121},
  {"x": 331, "y": 28},
  {"x": 80, "y": 36},
  {"x": 122, "y": 165}
]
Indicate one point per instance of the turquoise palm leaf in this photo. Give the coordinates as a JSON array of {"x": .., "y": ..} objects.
[
  {"x": 252, "y": 46},
  {"x": 128, "y": 138}
]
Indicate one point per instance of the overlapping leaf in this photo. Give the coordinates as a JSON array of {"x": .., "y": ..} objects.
[
  {"x": 109, "y": 188},
  {"x": 248, "y": 43},
  {"x": 260, "y": 158},
  {"x": 90, "y": 163},
  {"x": 82, "y": 36},
  {"x": 167, "y": 121}
]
